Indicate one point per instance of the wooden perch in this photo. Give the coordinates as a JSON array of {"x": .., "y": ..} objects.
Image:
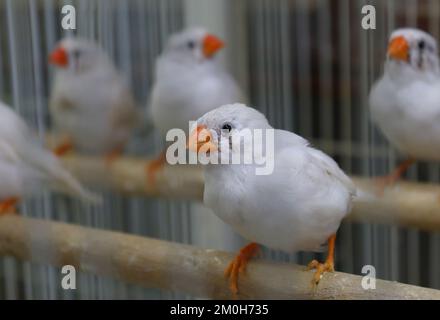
[
  {"x": 177, "y": 267},
  {"x": 129, "y": 176},
  {"x": 406, "y": 204}
]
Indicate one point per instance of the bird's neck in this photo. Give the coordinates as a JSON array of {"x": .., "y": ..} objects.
[
  {"x": 403, "y": 73},
  {"x": 99, "y": 73},
  {"x": 222, "y": 177},
  {"x": 175, "y": 69}
]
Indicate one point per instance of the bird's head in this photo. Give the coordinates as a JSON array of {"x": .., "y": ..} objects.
[
  {"x": 414, "y": 48},
  {"x": 78, "y": 55},
  {"x": 193, "y": 45},
  {"x": 225, "y": 129}
]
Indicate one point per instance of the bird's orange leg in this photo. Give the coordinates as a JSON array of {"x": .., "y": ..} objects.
[
  {"x": 328, "y": 265},
  {"x": 113, "y": 155},
  {"x": 8, "y": 206},
  {"x": 155, "y": 165},
  {"x": 384, "y": 182},
  {"x": 63, "y": 148},
  {"x": 238, "y": 265}
]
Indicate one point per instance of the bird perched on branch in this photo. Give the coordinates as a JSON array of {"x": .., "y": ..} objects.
[
  {"x": 405, "y": 102},
  {"x": 297, "y": 206},
  {"x": 188, "y": 83},
  {"x": 25, "y": 167},
  {"x": 91, "y": 105}
]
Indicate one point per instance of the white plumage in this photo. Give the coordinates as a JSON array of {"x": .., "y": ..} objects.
[
  {"x": 189, "y": 81},
  {"x": 90, "y": 103},
  {"x": 297, "y": 207},
  {"x": 25, "y": 167},
  {"x": 405, "y": 102}
]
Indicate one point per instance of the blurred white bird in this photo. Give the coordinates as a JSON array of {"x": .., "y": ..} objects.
[
  {"x": 188, "y": 83},
  {"x": 297, "y": 207},
  {"x": 25, "y": 167},
  {"x": 91, "y": 105},
  {"x": 405, "y": 102}
]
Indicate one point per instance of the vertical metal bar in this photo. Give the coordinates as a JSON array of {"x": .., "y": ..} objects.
[{"x": 303, "y": 65}]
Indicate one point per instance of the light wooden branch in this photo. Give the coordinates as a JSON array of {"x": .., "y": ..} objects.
[
  {"x": 406, "y": 204},
  {"x": 129, "y": 176},
  {"x": 177, "y": 267}
]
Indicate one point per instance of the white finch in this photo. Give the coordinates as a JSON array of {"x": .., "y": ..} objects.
[
  {"x": 296, "y": 207},
  {"x": 405, "y": 102},
  {"x": 188, "y": 83},
  {"x": 25, "y": 167},
  {"x": 91, "y": 104}
]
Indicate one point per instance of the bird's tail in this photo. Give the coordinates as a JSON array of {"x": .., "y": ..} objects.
[
  {"x": 58, "y": 177},
  {"x": 363, "y": 196},
  {"x": 67, "y": 183}
]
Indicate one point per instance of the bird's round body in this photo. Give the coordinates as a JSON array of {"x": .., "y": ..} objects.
[
  {"x": 188, "y": 83},
  {"x": 91, "y": 104},
  {"x": 405, "y": 102},
  {"x": 296, "y": 207},
  {"x": 25, "y": 167}
]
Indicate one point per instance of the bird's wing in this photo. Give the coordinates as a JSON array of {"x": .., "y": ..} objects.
[
  {"x": 330, "y": 167},
  {"x": 286, "y": 140},
  {"x": 417, "y": 106},
  {"x": 124, "y": 111}
]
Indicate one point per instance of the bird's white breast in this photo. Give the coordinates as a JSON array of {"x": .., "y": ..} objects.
[
  {"x": 409, "y": 116},
  {"x": 185, "y": 95},
  {"x": 296, "y": 208},
  {"x": 89, "y": 119}
]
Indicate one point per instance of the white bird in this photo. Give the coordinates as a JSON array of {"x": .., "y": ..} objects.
[
  {"x": 25, "y": 167},
  {"x": 297, "y": 207},
  {"x": 405, "y": 102},
  {"x": 189, "y": 82},
  {"x": 91, "y": 104}
]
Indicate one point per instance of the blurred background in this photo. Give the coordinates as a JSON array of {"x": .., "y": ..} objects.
[{"x": 307, "y": 64}]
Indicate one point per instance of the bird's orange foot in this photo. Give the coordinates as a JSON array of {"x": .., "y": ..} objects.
[
  {"x": 327, "y": 266},
  {"x": 238, "y": 265},
  {"x": 112, "y": 156},
  {"x": 7, "y": 206},
  {"x": 320, "y": 268},
  {"x": 154, "y": 166},
  {"x": 63, "y": 149},
  {"x": 383, "y": 182}
]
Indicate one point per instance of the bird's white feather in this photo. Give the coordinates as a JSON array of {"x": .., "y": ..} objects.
[
  {"x": 297, "y": 207},
  {"x": 405, "y": 101},
  {"x": 95, "y": 107},
  {"x": 25, "y": 166},
  {"x": 187, "y": 85}
]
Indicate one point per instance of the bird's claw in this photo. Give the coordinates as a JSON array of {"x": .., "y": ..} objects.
[
  {"x": 8, "y": 206},
  {"x": 320, "y": 268},
  {"x": 63, "y": 149},
  {"x": 112, "y": 156},
  {"x": 238, "y": 265},
  {"x": 382, "y": 183},
  {"x": 153, "y": 167}
]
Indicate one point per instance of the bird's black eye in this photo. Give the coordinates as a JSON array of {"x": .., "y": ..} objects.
[
  {"x": 227, "y": 127},
  {"x": 422, "y": 44},
  {"x": 191, "y": 44}
]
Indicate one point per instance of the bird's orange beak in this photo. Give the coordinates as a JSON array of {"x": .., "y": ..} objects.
[
  {"x": 59, "y": 57},
  {"x": 399, "y": 48},
  {"x": 201, "y": 141},
  {"x": 211, "y": 44}
]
